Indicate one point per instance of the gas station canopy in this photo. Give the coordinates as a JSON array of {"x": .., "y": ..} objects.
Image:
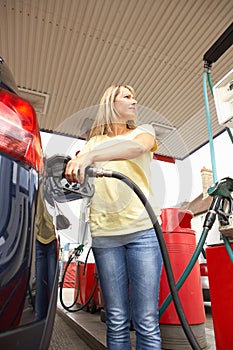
[{"x": 64, "y": 54}]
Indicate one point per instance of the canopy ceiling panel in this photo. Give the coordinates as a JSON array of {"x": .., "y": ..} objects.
[{"x": 69, "y": 51}]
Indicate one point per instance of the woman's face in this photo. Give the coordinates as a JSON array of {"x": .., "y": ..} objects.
[{"x": 125, "y": 104}]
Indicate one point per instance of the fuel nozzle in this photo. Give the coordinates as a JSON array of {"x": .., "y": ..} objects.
[
  {"x": 212, "y": 213},
  {"x": 223, "y": 188},
  {"x": 221, "y": 204},
  {"x": 57, "y": 188},
  {"x": 87, "y": 189}
]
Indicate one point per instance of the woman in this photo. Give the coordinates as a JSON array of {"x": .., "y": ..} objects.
[{"x": 125, "y": 247}]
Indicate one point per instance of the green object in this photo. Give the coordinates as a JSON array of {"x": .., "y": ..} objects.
[
  {"x": 210, "y": 135},
  {"x": 230, "y": 134},
  {"x": 222, "y": 188}
]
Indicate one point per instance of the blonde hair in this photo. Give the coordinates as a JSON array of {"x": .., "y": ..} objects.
[{"x": 107, "y": 113}]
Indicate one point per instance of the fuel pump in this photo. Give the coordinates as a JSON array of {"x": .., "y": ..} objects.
[
  {"x": 220, "y": 253},
  {"x": 222, "y": 190},
  {"x": 220, "y": 264}
]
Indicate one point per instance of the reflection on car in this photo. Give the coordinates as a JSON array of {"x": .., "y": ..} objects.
[{"x": 204, "y": 277}]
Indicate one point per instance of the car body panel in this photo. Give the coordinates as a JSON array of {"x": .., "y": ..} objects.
[
  {"x": 18, "y": 186},
  {"x": 21, "y": 167}
]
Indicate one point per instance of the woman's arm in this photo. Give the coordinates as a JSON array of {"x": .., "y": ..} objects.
[{"x": 122, "y": 150}]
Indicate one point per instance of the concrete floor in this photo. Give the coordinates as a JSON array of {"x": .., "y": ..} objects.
[{"x": 65, "y": 337}]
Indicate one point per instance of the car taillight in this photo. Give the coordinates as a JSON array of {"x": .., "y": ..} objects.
[
  {"x": 19, "y": 131},
  {"x": 203, "y": 269}
]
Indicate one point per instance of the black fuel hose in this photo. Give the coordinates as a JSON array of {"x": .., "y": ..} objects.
[
  {"x": 76, "y": 252},
  {"x": 95, "y": 172}
]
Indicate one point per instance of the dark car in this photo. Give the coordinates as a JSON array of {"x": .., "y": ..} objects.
[{"x": 21, "y": 162}]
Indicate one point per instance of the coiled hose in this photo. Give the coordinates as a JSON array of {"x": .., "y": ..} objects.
[{"x": 76, "y": 253}]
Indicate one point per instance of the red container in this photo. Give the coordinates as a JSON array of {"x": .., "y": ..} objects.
[
  {"x": 69, "y": 279},
  {"x": 85, "y": 281},
  {"x": 181, "y": 242},
  {"x": 220, "y": 272}
]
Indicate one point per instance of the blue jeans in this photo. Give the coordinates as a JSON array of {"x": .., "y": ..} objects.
[
  {"x": 46, "y": 260},
  {"x": 130, "y": 279}
]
